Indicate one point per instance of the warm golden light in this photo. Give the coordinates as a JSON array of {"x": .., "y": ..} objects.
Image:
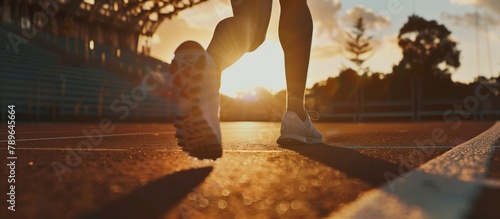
[{"x": 261, "y": 68}]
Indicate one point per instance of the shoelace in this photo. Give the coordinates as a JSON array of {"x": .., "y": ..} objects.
[{"x": 311, "y": 113}]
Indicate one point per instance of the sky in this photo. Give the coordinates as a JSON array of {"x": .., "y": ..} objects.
[{"x": 265, "y": 68}]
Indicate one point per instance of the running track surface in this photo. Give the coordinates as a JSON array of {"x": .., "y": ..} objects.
[{"x": 372, "y": 170}]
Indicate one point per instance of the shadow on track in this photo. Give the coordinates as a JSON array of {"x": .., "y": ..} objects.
[
  {"x": 351, "y": 162},
  {"x": 156, "y": 198},
  {"x": 486, "y": 206}
]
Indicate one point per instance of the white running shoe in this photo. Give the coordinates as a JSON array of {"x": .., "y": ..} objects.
[
  {"x": 294, "y": 131},
  {"x": 194, "y": 78}
]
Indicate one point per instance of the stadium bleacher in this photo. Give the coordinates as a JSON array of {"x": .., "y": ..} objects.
[{"x": 44, "y": 87}]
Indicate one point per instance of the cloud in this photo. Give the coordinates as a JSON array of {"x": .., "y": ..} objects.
[
  {"x": 373, "y": 21},
  {"x": 173, "y": 33},
  {"x": 325, "y": 51},
  {"x": 206, "y": 15},
  {"x": 325, "y": 16},
  {"x": 492, "y": 5},
  {"x": 488, "y": 19},
  {"x": 463, "y": 2},
  {"x": 331, "y": 22},
  {"x": 485, "y": 20}
]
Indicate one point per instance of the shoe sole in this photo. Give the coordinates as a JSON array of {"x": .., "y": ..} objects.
[
  {"x": 194, "y": 133},
  {"x": 292, "y": 139}
]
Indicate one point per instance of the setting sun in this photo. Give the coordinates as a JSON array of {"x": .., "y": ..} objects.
[{"x": 261, "y": 68}]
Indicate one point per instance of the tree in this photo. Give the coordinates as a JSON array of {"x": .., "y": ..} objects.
[
  {"x": 342, "y": 88},
  {"x": 358, "y": 44},
  {"x": 428, "y": 50}
]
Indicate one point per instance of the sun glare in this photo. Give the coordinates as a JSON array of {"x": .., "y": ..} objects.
[{"x": 262, "y": 68}]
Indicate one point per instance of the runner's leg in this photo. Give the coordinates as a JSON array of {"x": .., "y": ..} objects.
[
  {"x": 244, "y": 32},
  {"x": 295, "y": 32}
]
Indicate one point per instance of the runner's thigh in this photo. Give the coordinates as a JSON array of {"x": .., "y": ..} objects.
[{"x": 258, "y": 12}]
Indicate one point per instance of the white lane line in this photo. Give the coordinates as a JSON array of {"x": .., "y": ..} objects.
[
  {"x": 244, "y": 151},
  {"x": 255, "y": 151},
  {"x": 402, "y": 147},
  {"x": 396, "y": 147},
  {"x": 107, "y": 135},
  {"x": 444, "y": 187},
  {"x": 235, "y": 151},
  {"x": 79, "y": 130},
  {"x": 163, "y": 150},
  {"x": 65, "y": 149},
  {"x": 83, "y": 136}
]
